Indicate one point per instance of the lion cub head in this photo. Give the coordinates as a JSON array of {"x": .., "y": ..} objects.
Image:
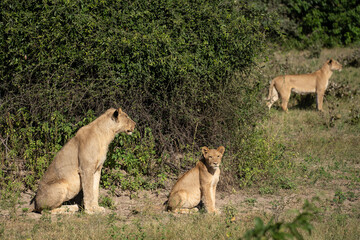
[
  {"x": 334, "y": 65},
  {"x": 121, "y": 122},
  {"x": 213, "y": 156}
]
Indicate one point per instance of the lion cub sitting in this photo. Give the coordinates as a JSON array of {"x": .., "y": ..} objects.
[{"x": 198, "y": 183}]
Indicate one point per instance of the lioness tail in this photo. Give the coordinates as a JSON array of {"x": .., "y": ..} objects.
[{"x": 271, "y": 90}]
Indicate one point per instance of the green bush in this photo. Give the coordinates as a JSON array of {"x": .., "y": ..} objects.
[
  {"x": 131, "y": 161},
  {"x": 173, "y": 65},
  {"x": 179, "y": 68},
  {"x": 260, "y": 161},
  {"x": 30, "y": 145},
  {"x": 317, "y": 23}
]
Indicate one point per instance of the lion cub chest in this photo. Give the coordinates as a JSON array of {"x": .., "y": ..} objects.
[
  {"x": 214, "y": 181},
  {"x": 215, "y": 178}
]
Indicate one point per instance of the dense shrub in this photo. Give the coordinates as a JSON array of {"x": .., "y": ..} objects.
[
  {"x": 179, "y": 68},
  {"x": 31, "y": 145},
  {"x": 317, "y": 23}
]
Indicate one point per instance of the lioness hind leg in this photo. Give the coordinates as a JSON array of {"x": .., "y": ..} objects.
[
  {"x": 186, "y": 210},
  {"x": 285, "y": 101},
  {"x": 51, "y": 196},
  {"x": 67, "y": 209}
]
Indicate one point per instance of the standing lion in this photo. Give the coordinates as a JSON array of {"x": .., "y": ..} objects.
[
  {"x": 77, "y": 166},
  {"x": 303, "y": 83}
]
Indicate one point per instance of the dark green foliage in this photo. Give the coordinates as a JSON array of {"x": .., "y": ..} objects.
[
  {"x": 132, "y": 163},
  {"x": 328, "y": 22},
  {"x": 317, "y": 23},
  {"x": 178, "y": 68},
  {"x": 171, "y": 64},
  {"x": 30, "y": 145}
]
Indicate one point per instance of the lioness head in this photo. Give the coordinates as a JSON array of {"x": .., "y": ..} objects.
[
  {"x": 123, "y": 122},
  {"x": 213, "y": 156},
  {"x": 334, "y": 65}
]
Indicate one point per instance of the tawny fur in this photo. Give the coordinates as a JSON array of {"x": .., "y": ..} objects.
[
  {"x": 198, "y": 184},
  {"x": 77, "y": 166},
  {"x": 315, "y": 82}
]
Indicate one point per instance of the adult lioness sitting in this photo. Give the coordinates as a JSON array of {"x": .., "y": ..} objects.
[
  {"x": 78, "y": 164},
  {"x": 198, "y": 183},
  {"x": 304, "y": 83}
]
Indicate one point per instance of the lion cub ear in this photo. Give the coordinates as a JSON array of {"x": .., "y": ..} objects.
[
  {"x": 204, "y": 150},
  {"x": 221, "y": 149},
  {"x": 330, "y": 61}
]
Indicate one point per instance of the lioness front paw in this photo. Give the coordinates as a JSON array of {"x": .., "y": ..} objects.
[
  {"x": 214, "y": 211},
  {"x": 94, "y": 209},
  {"x": 185, "y": 210}
]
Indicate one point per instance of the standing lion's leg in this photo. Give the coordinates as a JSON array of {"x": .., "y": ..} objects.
[
  {"x": 319, "y": 100},
  {"x": 285, "y": 96},
  {"x": 284, "y": 103}
]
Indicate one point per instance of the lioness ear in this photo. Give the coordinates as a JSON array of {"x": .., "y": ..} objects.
[
  {"x": 115, "y": 115},
  {"x": 221, "y": 149},
  {"x": 204, "y": 150},
  {"x": 330, "y": 61},
  {"x": 120, "y": 110}
]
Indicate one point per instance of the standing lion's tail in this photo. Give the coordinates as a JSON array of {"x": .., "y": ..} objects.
[
  {"x": 273, "y": 94},
  {"x": 271, "y": 90}
]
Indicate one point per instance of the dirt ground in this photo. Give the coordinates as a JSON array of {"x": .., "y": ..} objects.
[{"x": 248, "y": 203}]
